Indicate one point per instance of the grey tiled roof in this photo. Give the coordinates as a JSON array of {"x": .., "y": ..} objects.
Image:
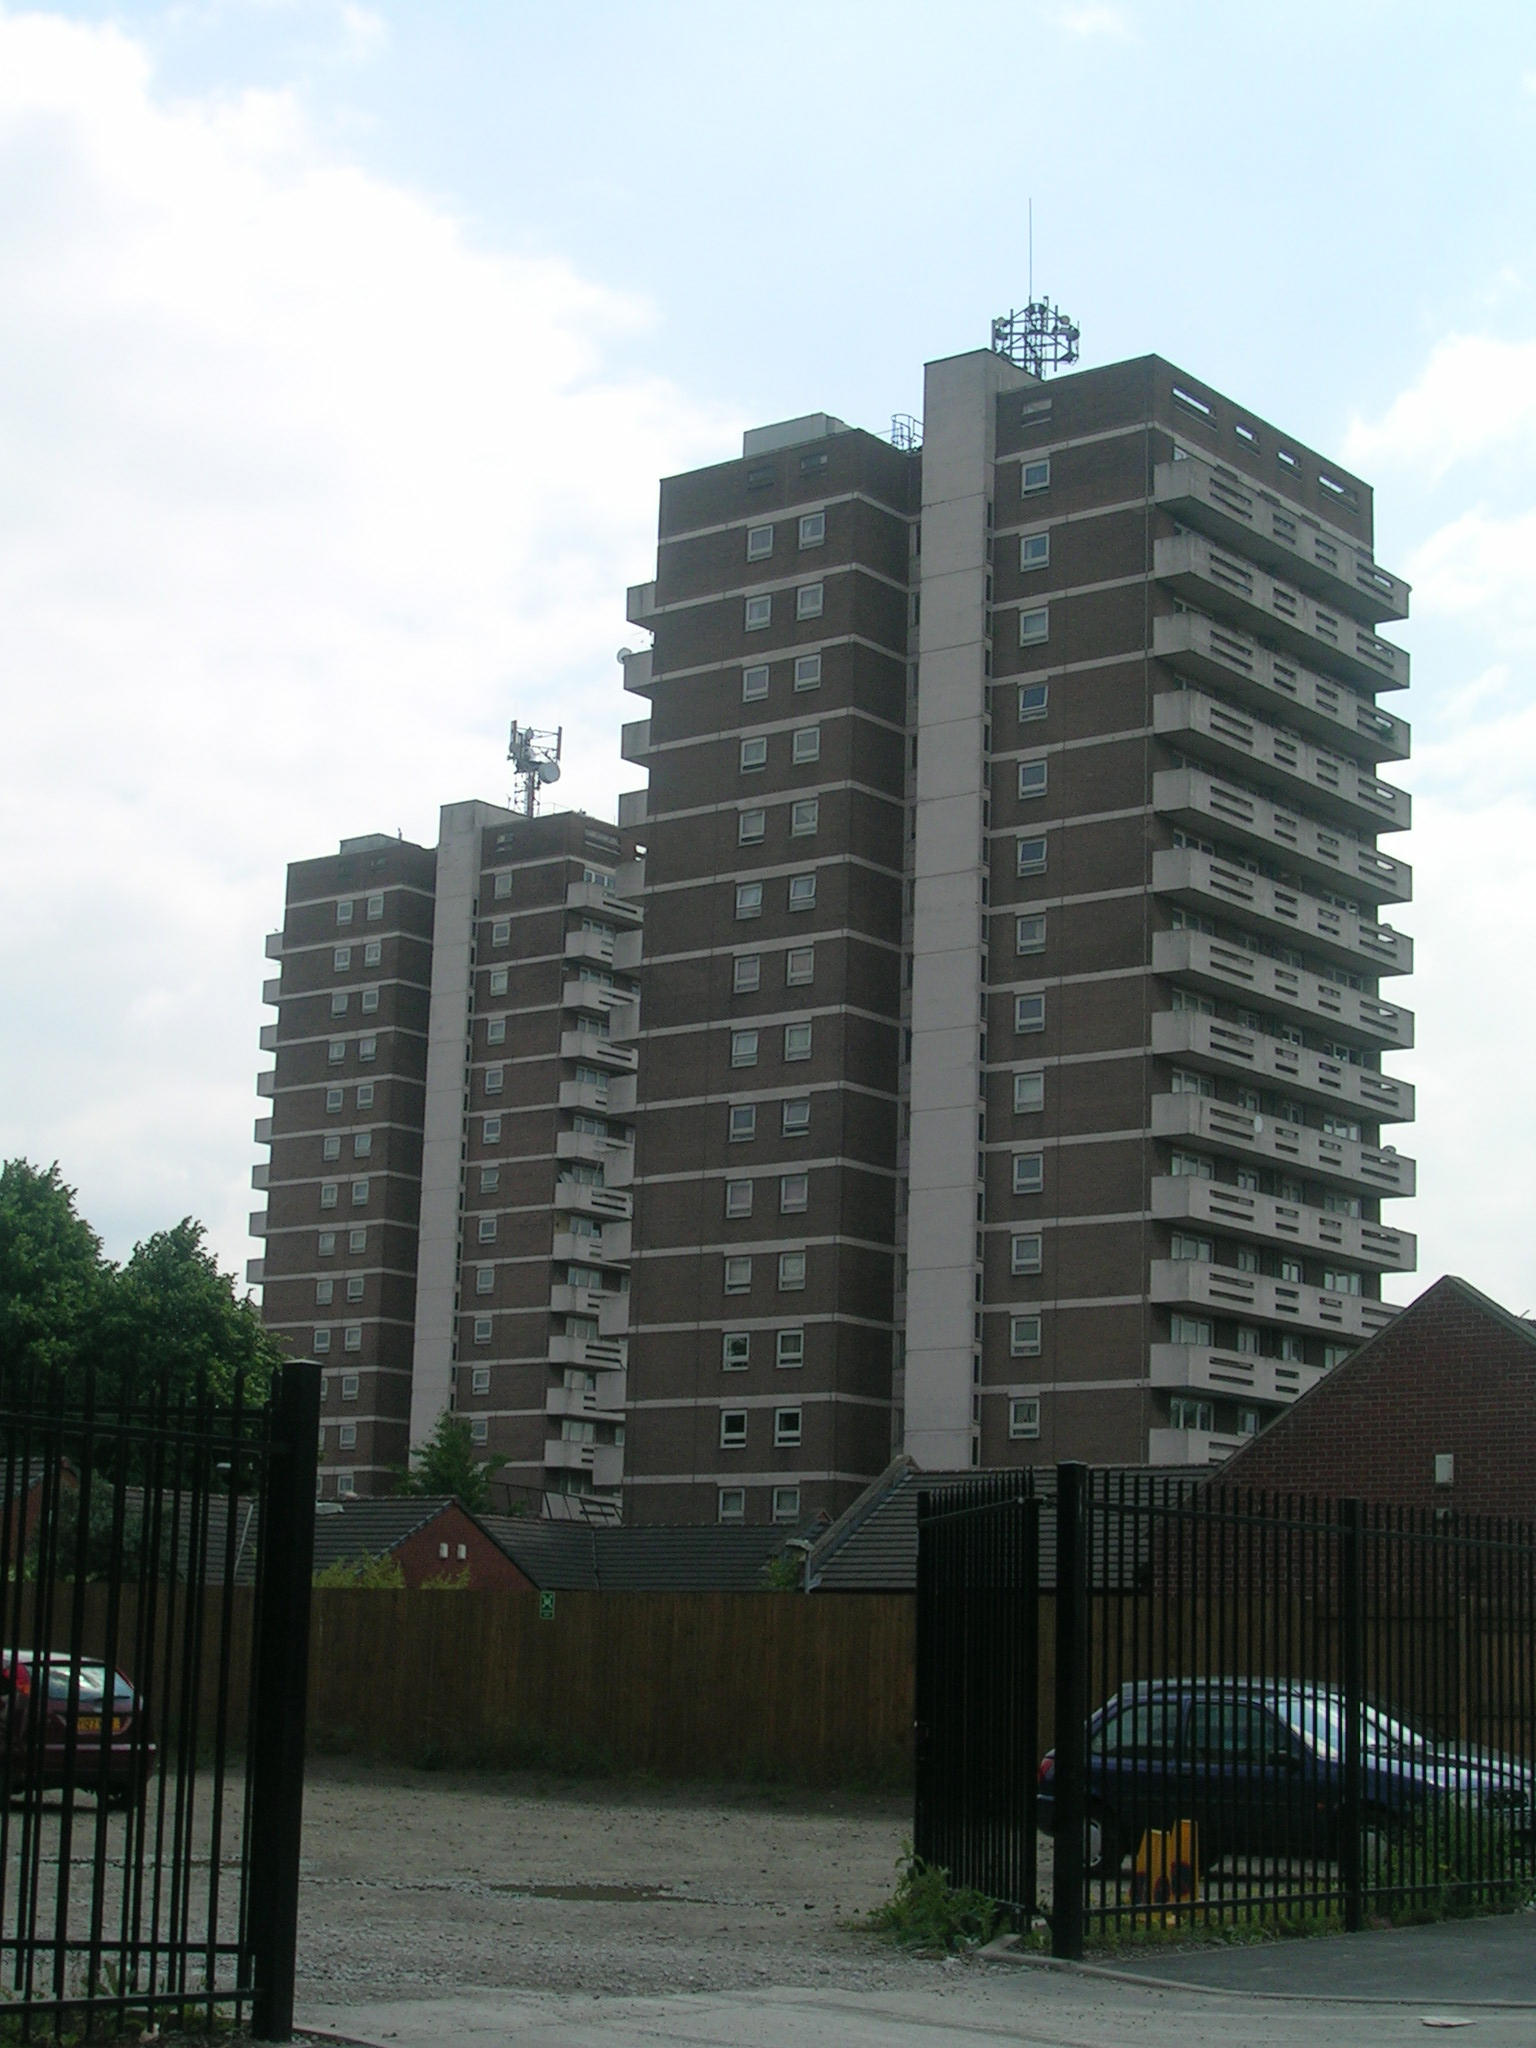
[
  {"x": 581, "y": 1557},
  {"x": 368, "y": 1529}
]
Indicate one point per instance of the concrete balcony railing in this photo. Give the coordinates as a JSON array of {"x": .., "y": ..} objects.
[
  {"x": 1327, "y": 784},
  {"x": 576, "y": 1198},
  {"x": 274, "y": 945},
  {"x": 1254, "y": 1297},
  {"x": 1204, "y": 882},
  {"x": 1294, "y": 1149},
  {"x": 1214, "y": 1205},
  {"x": 640, "y": 604},
  {"x": 636, "y": 664},
  {"x": 597, "y": 996},
  {"x": 1324, "y": 561},
  {"x": 597, "y": 1354},
  {"x": 604, "y": 1461},
  {"x": 629, "y": 882},
  {"x": 272, "y": 990},
  {"x": 255, "y": 1272},
  {"x": 590, "y": 945},
  {"x": 261, "y": 1130},
  {"x": 1222, "y": 969},
  {"x": 261, "y": 1175},
  {"x": 1215, "y": 1046},
  {"x": 1213, "y": 580},
  {"x": 613, "y": 1315},
  {"x": 622, "y": 1090},
  {"x": 605, "y": 1400},
  {"x": 610, "y": 1248},
  {"x": 1243, "y": 1375},
  {"x": 266, "y": 1038},
  {"x": 626, "y": 950},
  {"x": 624, "y": 1019},
  {"x": 635, "y": 739},
  {"x": 584, "y": 1095},
  {"x": 595, "y": 1151},
  {"x": 1213, "y": 807},
  {"x": 1191, "y": 1446},
  {"x": 589, "y": 1047},
  {"x": 266, "y": 1082},
  {"x": 1275, "y": 686},
  {"x": 634, "y": 808},
  {"x": 257, "y": 1225},
  {"x": 592, "y": 896},
  {"x": 566, "y": 1300}
]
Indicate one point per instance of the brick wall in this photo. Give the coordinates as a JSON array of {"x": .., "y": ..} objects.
[{"x": 421, "y": 1555}]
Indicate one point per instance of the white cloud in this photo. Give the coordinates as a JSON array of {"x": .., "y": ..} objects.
[
  {"x": 1478, "y": 567},
  {"x": 1475, "y": 400},
  {"x": 1090, "y": 19},
  {"x": 301, "y": 498}
]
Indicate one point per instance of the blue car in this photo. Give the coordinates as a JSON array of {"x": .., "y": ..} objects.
[{"x": 1258, "y": 1765}]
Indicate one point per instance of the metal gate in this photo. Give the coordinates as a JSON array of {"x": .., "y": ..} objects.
[{"x": 155, "y": 1560}]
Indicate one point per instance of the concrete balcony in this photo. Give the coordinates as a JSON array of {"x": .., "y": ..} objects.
[
  {"x": 580, "y": 1301},
  {"x": 597, "y": 1354},
  {"x": 261, "y": 1176},
  {"x": 609, "y": 1205},
  {"x": 624, "y": 1020},
  {"x": 266, "y": 1038},
  {"x": 1322, "y": 560},
  {"x": 596, "y": 996},
  {"x": 636, "y": 664},
  {"x": 274, "y": 946},
  {"x": 1202, "y": 1369},
  {"x": 1217, "y": 809},
  {"x": 590, "y": 945},
  {"x": 1255, "y": 1298},
  {"x": 613, "y": 1316},
  {"x": 594, "y": 1403},
  {"x": 635, "y": 739},
  {"x": 272, "y": 990},
  {"x": 266, "y": 1082},
  {"x": 626, "y": 951},
  {"x": 588, "y": 1047},
  {"x": 584, "y": 1095},
  {"x": 622, "y": 1090},
  {"x": 604, "y": 1461},
  {"x": 1274, "y": 686},
  {"x": 1293, "y": 1149},
  {"x": 1212, "y": 580},
  {"x": 1212, "y": 1045},
  {"x": 640, "y": 604},
  {"x": 257, "y": 1225},
  {"x": 629, "y": 883},
  {"x": 1222, "y": 969},
  {"x": 255, "y": 1270},
  {"x": 611, "y": 1248},
  {"x": 1213, "y": 1205},
  {"x": 1191, "y": 1446},
  {"x": 1325, "y": 783},
  {"x": 595, "y": 1151},
  {"x": 1204, "y": 882},
  {"x": 261, "y": 1130},
  {"x": 634, "y": 808},
  {"x": 592, "y": 896}
]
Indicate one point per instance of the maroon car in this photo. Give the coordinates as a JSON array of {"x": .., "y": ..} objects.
[{"x": 120, "y": 1732}]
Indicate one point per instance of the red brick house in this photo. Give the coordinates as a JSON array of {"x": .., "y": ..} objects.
[
  {"x": 1436, "y": 1411},
  {"x": 428, "y": 1539}
]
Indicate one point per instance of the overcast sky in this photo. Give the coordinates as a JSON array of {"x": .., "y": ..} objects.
[{"x": 341, "y": 348}]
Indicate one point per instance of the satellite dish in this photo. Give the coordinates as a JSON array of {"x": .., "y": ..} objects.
[
  {"x": 547, "y": 771},
  {"x": 624, "y": 654}
]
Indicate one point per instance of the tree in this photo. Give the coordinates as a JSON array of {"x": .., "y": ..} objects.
[
  {"x": 52, "y": 1274},
  {"x": 446, "y": 1464},
  {"x": 170, "y": 1312}
]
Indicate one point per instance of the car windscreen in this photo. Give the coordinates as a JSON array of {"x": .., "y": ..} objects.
[
  {"x": 1319, "y": 1717},
  {"x": 92, "y": 1679}
]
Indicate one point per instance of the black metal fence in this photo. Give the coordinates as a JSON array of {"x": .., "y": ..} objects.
[
  {"x": 1278, "y": 1712},
  {"x": 154, "y": 1595}
]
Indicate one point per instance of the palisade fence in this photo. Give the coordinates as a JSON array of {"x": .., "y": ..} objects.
[
  {"x": 1251, "y": 1710},
  {"x": 149, "y": 1820}
]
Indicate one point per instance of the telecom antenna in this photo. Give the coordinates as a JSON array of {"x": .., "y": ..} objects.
[
  {"x": 535, "y": 758},
  {"x": 1037, "y": 337}
]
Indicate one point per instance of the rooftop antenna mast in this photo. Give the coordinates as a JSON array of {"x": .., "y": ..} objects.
[
  {"x": 1037, "y": 337},
  {"x": 535, "y": 758}
]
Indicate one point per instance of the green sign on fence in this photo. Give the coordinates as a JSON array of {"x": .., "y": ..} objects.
[{"x": 546, "y": 1607}]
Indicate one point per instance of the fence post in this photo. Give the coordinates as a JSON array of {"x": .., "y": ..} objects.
[
  {"x": 285, "y": 1564},
  {"x": 1070, "y": 1787},
  {"x": 923, "y": 1843},
  {"x": 1352, "y": 1663}
]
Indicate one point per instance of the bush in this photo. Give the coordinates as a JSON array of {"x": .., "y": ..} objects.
[
  {"x": 928, "y": 1913},
  {"x": 1455, "y": 1857}
]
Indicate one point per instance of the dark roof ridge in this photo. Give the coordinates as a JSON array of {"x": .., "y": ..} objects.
[{"x": 857, "y": 1512}]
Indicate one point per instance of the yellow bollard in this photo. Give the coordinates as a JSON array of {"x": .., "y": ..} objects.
[{"x": 1167, "y": 1869}]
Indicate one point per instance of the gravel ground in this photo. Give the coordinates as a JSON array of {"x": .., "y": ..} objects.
[{"x": 419, "y": 1883}]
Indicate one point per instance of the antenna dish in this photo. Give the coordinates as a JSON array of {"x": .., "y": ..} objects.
[
  {"x": 624, "y": 654},
  {"x": 535, "y": 758},
  {"x": 1038, "y": 337},
  {"x": 548, "y": 771}
]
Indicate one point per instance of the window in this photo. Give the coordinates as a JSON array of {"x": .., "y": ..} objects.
[
  {"x": 1182, "y": 1246},
  {"x": 795, "y": 1117},
  {"x": 786, "y": 1503},
  {"x": 1024, "y": 1416},
  {"x": 1024, "y": 1336},
  {"x": 1190, "y": 1164},
  {"x": 328, "y": 1194},
  {"x": 813, "y": 529},
  {"x": 485, "y": 1279},
  {"x": 1028, "y": 1172},
  {"x": 754, "y": 682},
  {"x": 789, "y": 1350},
  {"x": 341, "y": 959},
  {"x": 494, "y": 1077},
  {"x": 736, "y": 1351},
  {"x": 1190, "y": 1330},
  {"x": 1030, "y": 859},
  {"x": 1033, "y": 777},
  {"x": 482, "y": 1329},
  {"x": 362, "y": 1144},
  {"x": 743, "y": 1122},
  {"x": 738, "y": 1198},
  {"x": 359, "y": 1194},
  {"x": 498, "y": 981},
  {"x": 375, "y": 906},
  {"x": 759, "y": 613},
  {"x": 1185, "y": 1413},
  {"x": 1026, "y": 1253},
  {"x": 1029, "y": 1013},
  {"x": 352, "y": 1338},
  {"x": 799, "y": 966},
  {"x": 490, "y": 1128},
  {"x": 496, "y": 1031},
  {"x": 336, "y": 1052},
  {"x": 1035, "y": 626},
  {"x": 1034, "y": 475},
  {"x": 501, "y": 931},
  {"x": 490, "y": 1179},
  {"x": 751, "y": 826},
  {"x": 749, "y": 899},
  {"x": 355, "y": 1287},
  {"x": 1186, "y": 1083},
  {"x": 807, "y": 671},
  {"x": 1185, "y": 999},
  {"x": 367, "y": 1048},
  {"x": 479, "y": 1429},
  {"x": 759, "y": 542},
  {"x": 333, "y": 1100},
  {"x": 802, "y": 892},
  {"x": 733, "y": 1429},
  {"x": 809, "y": 599},
  {"x": 732, "y": 1504},
  {"x": 794, "y": 1194},
  {"x": 344, "y": 911},
  {"x": 502, "y": 885},
  {"x": 346, "y": 1485},
  {"x": 1341, "y": 1127},
  {"x": 1247, "y": 1257},
  {"x": 1338, "y": 1281},
  {"x": 330, "y": 1147},
  {"x": 786, "y": 1428},
  {"x": 480, "y": 1380},
  {"x": 1034, "y": 550},
  {"x": 487, "y": 1230},
  {"x": 797, "y": 1041},
  {"x": 1248, "y": 1421},
  {"x": 365, "y": 1095},
  {"x": 373, "y": 953},
  {"x": 746, "y": 973},
  {"x": 346, "y": 1436},
  {"x": 804, "y": 817},
  {"x": 738, "y": 1276},
  {"x": 322, "y": 1341},
  {"x": 1335, "y": 1354},
  {"x": 791, "y": 1272},
  {"x": 1034, "y": 701},
  {"x": 370, "y": 999},
  {"x": 1292, "y": 1350},
  {"x": 339, "y": 1001},
  {"x": 807, "y": 743},
  {"x": 325, "y": 1293},
  {"x": 1028, "y": 1093},
  {"x": 743, "y": 1048},
  {"x": 754, "y": 753}
]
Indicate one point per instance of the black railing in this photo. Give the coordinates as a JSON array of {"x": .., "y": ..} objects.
[
  {"x": 154, "y": 1585},
  {"x": 1253, "y": 1711}
]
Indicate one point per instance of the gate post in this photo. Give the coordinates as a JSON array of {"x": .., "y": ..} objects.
[
  {"x": 1352, "y": 1673},
  {"x": 1071, "y": 1710},
  {"x": 924, "y": 1845},
  {"x": 275, "y": 1738}
]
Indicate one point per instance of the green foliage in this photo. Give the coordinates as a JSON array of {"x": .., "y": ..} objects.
[
  {"x": 446, "y": 1464},
  {"x": 927, "y": 1912},
  {"x": 99, "y": 1551},
  {"x": 446, "y": 1582},
  {"x": 786, "y": 1572},
  {"x": 170, "y": 1305},
  {"x": 52, "y": 1275},
  {"x": 1454, "y": 1858},
  {"x": 365, "y": 1574}
]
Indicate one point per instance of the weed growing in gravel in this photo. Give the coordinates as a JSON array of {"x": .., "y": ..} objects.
[{"x": 926, "y": 1912}]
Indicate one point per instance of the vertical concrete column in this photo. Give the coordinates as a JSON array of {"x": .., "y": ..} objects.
[{"x": 950, "y": 861}]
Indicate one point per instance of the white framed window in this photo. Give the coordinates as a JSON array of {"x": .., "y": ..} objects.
[
  {"x": 1024, "y": 1416},
  {"x": 795, "y": 1117},
  {"x": 367, "y": 1048},
  {"x": 490, "y": 1130},
  {"x": 1025, "y": 1253},
  {"x": 346, "y": 1485},
  {"x": 743, "y": 1048},
  {"x": 1248, "y": 1339},
  {"x": 1034, "y": 701},
  {"x": 1191, "y": 1165},
  {"x": 1028, "y": 1173},
  {"x": 797, "y": 1041},
  {"x": 375, "y": 906},
  {"x": 732, "y": 1504},
  {"x": 743, "y": 1122},
  {"x": 794, "y": 1193},
  {"x": 807, "y": 671},
  {"x": 1034, "y": 550},
  {"x": 327, "y": 1244},
  {"x": 362, "y": 1144},
  {"x": 486, "y": 1230},
  {"x": 759, "y": 543},
  {"x": 754, "y": 682},
  {"x": 759, "y": 613},
  {"x": 804, "y": 817},
  {"x": 754, "y": 753},
  {"x": 370, "y": 999},
  {"x": 1028, "y": 1092},
  {"x": 1033, "y": 778},
  {"x": 786, "y": 1503},
  {"x": 802, "y": 892},
  {"x": 355, "y": 1287},
  {"x": 1190, "y": 1330},
  {"x": 325, "y": 1293},
  {"x": 810, "y": 599},
  {"x": 336, "y": 1051},
  {"x": 1034, "y": 475},
  {"x": 807, "y": 743},
  {"x": 1183, "y": 1246},
  {"x": 328, "y": 1194},
  {"x": 346, "y": 1436},
  {"x": 365, "y": 1095},
  {"x": 738, "y": 1198},
  {"x": 733, "y": 1429},
  {"x": 1035, "y": 626},
  {"x": 501, "y": 931},
  {"x": 482, "y": 1329},
  {"x": 736, "y": 1350},
  {"x": 498, "y": 981},
  {"x": 746, "y": 973},
  {"x": 339, "y": 1000},
  {"x": 494, "y": 1080},
  {"x": 1029, "y": 933},
  {"x": 360, "y": 1194},
  {"x": 479, "y": 1429},
  {"x": 751, "y": 826},
  {"x": 485, "y": 1279},
  {"x": 341, "y": 959},
  {"x": 373, "y": 953},
  {"x": 496, "y": 1031},
  {"x": 1339, "y": 1280},
  {"x": 1187, "y": 1083},
  {"x": 791, "y": 1272},
  {"x": 357, "y": 1240},
  {"x": 749, "y": 899},
  {"x": 789, "y": 1350},
  {"x": 322, "y": 1341},
  {"x": 1024, "y": 1336},
  {"x": 738, "y": 1276},
  {"x": 334, "y": 1097},
  {"x": 502, "y": 885},
  {"x": 799, "y": 966},
  {"x": 1186, "y": 1413},
  {"x": 330, "y": 1145},
  {"x": 344, "y": 910},
  {"x": 490, "y": 1179},
  {"x": 813, "y": 529},
  {"x": 1030, "y": 857},
  {"x": 480, "y": 1380},
  {"x": 1029, "y": 1013},
  {"x": 352, "y": 1338},
  {"x": 786, "y": 1428}
]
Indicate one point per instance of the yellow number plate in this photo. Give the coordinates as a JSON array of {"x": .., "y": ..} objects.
[{"x": 89, "y": 1724}]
